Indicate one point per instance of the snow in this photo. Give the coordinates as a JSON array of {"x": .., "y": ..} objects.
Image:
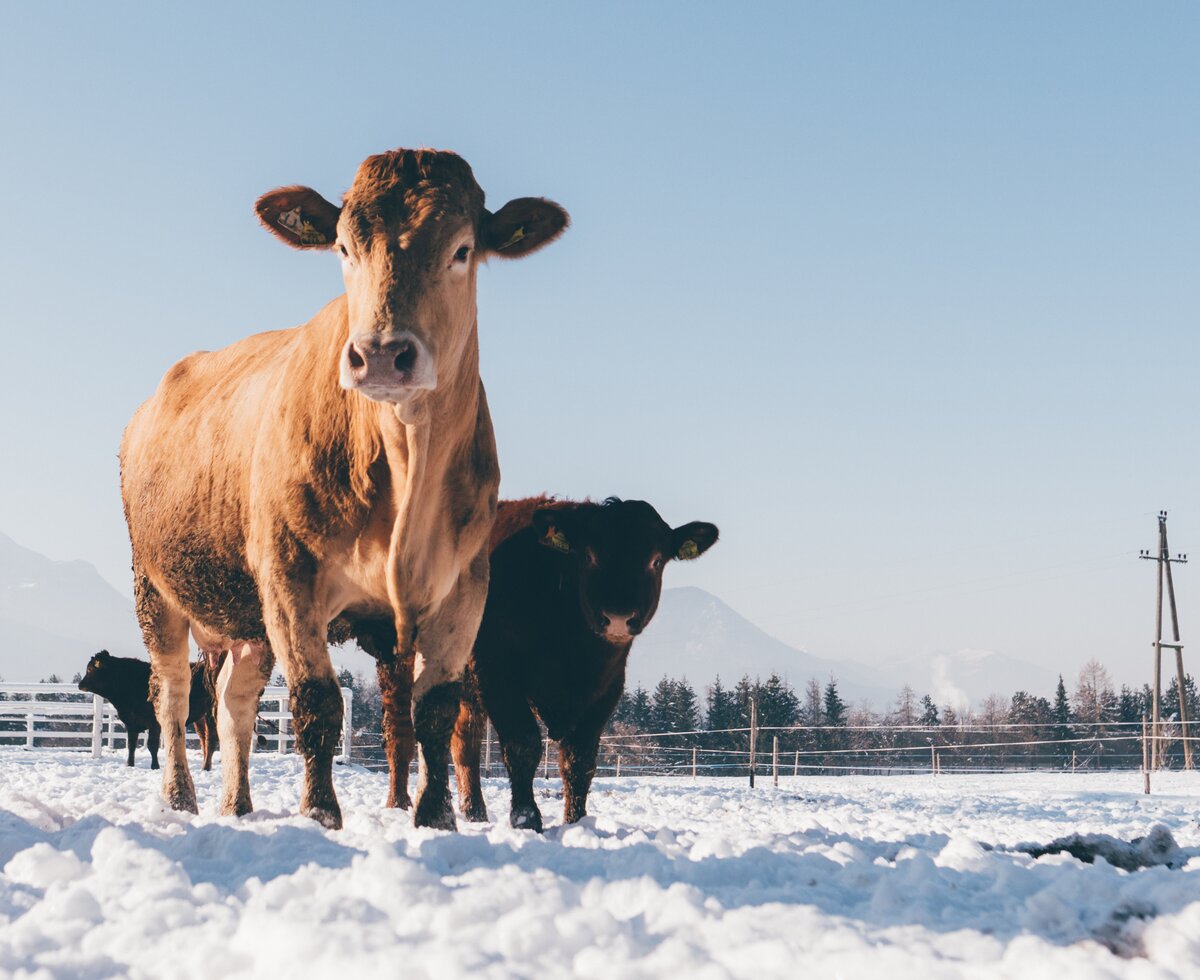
[{"x": 910, "y": 876}]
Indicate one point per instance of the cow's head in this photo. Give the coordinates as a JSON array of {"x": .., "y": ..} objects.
[
  {"x": 616, "y": 553},
  {"x": 410, "y": 234},
  {"x": 94, "y": 678}
]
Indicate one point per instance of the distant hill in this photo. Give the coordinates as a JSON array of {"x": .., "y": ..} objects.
[{"x": 55, "y": 614}]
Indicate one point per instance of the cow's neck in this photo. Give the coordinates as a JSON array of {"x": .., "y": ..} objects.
[{"x": 432, "y": 445}]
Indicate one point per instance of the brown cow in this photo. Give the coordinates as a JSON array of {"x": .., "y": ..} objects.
[{"x": 344, "y": 468}]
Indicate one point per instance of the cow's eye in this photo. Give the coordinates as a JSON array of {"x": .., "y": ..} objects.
[
  {"x": 463, "y": 253},
  {"x": 591, "y": 557},
  {"x": 657, "y": 562},
  {"x": 342, "y": 249}
]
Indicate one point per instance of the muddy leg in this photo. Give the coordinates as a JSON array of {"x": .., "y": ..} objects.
[
  {"x": 239, "y": 686},
  {"x": 521, "y": 747},
  {"x": 577, "y": 754},
  {"x": 317, "y": 714},
  {"x": 395, "y": 688},
  {"x": 433, "y": 721},
  {"x": 464, "y": 745},
  {"x": 165, "y": 633}
]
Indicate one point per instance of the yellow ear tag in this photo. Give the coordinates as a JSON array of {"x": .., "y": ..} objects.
[
  {"x": 688, "y": 550},
  {"x": 309, "y": 235},
  {"x": 515, "y": 237},
  {"x": 558, "y": 541}
]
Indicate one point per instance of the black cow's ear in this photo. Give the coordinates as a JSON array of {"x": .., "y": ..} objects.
[
  {"x": 692, "y": 540},
  {"x": 104, "y": 654},
  {"x": 548, "y": 526},
  {"x": 522, "y": 226},
  {"x": 299, "y": 216}
]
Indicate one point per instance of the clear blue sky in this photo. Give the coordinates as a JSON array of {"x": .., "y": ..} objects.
[{"x": 903, "y": 296}]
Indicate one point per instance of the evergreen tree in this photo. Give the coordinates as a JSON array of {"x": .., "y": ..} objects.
[
  {"x": 778, "y": 706},
  {"x": 640, "y": 709},
  {"x": 1060, "y": 713},
  {"x": 835, "y": 707},
  {"x": 929, "y": 712},
  {"x": 835, "y": 716}
]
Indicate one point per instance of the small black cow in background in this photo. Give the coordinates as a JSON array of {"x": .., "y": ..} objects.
[
  {"x": 572, "y": 585},
  {"x": 125, "y": 683}
]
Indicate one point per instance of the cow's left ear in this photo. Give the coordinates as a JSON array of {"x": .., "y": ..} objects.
[
  {"x": 549, "y": 526},
  {"x": 299, "y": 216},
  {"x": 692, "y": 540},
  {"x": 522, "y": 226}
]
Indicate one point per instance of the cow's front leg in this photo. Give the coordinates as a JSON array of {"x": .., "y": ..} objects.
[
  {"x": 443, "y": 647},
  {"x": 165, "y": 631},
  {"x": 577, "y": 754},
  {"x": 395, "y": 688},
  {"x": 299, "y": 637},
  {"x": 239, "y": 686}
]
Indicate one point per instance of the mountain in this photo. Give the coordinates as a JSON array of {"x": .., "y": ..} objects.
[
  {"x": 55, "y": 614},
  {"x": 695, "y": 634}
]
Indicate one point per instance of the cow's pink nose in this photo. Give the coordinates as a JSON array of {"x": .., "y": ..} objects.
[{"x": 386, "y": 370}]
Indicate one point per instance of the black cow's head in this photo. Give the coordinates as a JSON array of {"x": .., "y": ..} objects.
[
  {"x": 94, "y": 679},
  {"x": 616, "y": 552}
]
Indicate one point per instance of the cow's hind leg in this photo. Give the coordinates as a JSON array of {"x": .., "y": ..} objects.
[
  {"x": 239, "y": 686},
  {"x": 464, "y": 744},
  {"x": 165, "y": 632}
]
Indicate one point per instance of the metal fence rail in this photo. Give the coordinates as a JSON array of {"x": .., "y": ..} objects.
[{"x": 60, "y": 716}]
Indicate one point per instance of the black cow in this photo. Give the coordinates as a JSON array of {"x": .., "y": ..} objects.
[
  {"x": 125, "y": 683},
  {"x": 572, "y": 585}
]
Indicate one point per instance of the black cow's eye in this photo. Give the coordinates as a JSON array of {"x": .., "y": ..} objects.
[
  {"x": 463, "y": 252},
  {"x": 591, "y": 557},
  {"x": 657, "y": 563}
]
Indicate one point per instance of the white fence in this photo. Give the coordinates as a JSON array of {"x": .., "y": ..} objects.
[{"x": 60, "y": 716}]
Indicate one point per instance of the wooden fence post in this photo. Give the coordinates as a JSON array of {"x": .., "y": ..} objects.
[
  {"x": 1072, "y": 760},
  {"x": 775, "y": 761},
  {"x": 1145, "y": 759},
  {"x": 487, "y": 747},
  {"x": 618, "y": 767},
  {"x": 546, "y": 758},
  {"x": 796, "y": 764},
  {"x": 753, "y": 738},
  {"x": 693, "y": 762}
]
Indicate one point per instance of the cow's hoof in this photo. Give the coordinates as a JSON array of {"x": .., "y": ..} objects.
[
  {"x": 574, "y": 816},
  {"x": 526, "y": 818},
  {"x": 153, "y": 763},
  {"x": 476, "y": 813},
  {"x": 398, "y": 801},
  {"x": 437, "y": 815},
  {"x": 182, "y": 797},
  {"x": 330, "y": 819},
  {"x": 237, "y": 807}
]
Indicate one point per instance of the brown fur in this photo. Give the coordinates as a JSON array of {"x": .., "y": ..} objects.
[{"x": 264, "y": 501}]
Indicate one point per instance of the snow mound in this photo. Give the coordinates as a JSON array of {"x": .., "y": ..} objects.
[{"x": 857, "y": 876}]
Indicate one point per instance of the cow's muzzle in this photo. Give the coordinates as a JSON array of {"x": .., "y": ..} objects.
[{"x": 387, "y": 369}]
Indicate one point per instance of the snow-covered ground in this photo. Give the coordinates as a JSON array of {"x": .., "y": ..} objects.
[{"x": 855, "y": 876}]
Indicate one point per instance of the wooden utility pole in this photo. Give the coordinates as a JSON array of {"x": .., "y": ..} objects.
[
  {"x": 1164, "y": 561},
  {"x": 753, "y": 737}
]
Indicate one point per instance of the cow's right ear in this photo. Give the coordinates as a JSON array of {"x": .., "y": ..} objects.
[
  {"x": 548, "y": 526},
  {"x": 299, "y": 216}
]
